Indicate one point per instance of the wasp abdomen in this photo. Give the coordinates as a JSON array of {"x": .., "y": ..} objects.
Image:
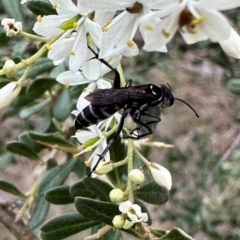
[{"x": 93, "y": 114}]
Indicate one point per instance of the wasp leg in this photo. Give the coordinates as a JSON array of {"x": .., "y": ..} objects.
[
  {"x": 154, "y": 119},
  {"x": 117, "y": 80},
  {"x": 114, "y": 139}
]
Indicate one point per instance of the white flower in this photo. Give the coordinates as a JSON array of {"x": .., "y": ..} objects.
[
  {"x": 73, "y": 22},
  {"x": 232, "y": 45},
  {"x": 160, "y": 175},
  {"x": 94, "y": 139},
  {"x": 8, "y": 93},
  {"x": 11, "y": 27},
  {"x": 118, "y": 36},
  {"x": 92, "y": 70},
  {"x": 133, "y": 213},
  {"x": 197, "y": 21}
]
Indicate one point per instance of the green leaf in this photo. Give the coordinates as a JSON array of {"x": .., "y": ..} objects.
[
  {"x": 233, "y": 85},
  {"x": 65, "y": 226},
  {"x": 21, "y": 149},
  {"x": 91, "y": 188},
  {"x": 39, "y": 212},
  {"x": 39, "y": 87},
  {"x": 113, "y": 234},
  {"x": 152, "y": 193},
  {"x": 27, "y": 140},
  {"x": 41, "y": 8},
  {"x": 6, "y": 159},
  {"x": 45, "y": 123},
  {"x": 158, "y": 232},
  {"x": 59, "y": 195},
  {"x": 52, "y": 178},
  {"x": 13, "y": 9},
  {"x": 10, "y": 188},
  {"x": 42, "y": 65},
  {"x": 176, "y": 233},
  {"x": 19, "y": 50},
  {"x": 50, "y": 138},
  {"x": 29, "y": 111},
  {"x": 62, "y": 107},
  {"x": 96, "y": 210}
]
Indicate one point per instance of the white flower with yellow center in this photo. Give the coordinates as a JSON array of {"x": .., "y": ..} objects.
[
  {"x": 118, "y": 35},
  {"x": 196, "y": 20}
]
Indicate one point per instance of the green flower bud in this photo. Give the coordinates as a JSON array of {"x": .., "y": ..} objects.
[
  {"x": 118, "y": 221},
  {"x": 10, "y": 69},
  {"x": 116, "y": 195},
  {"x": 136, "y": 176}
]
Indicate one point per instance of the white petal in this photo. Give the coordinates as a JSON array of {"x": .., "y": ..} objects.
[
  {"x": 66, "y": 7},
  {"x": 125, "y": 206},
  {"x": 102, "y": 84},
  {"x": 82, "y": 102},
  {"x": 49, "y": 25},
  {"x": 92, "y": 69},
  {"x": 215, "y": 25},
  {"x": 80, "y": 50},
  {"x": 217, "y": 4},
  {"x": 71, "y": 79},
  {"x": 144, "y": 217},
  {"x": 94, "y": 30},
  {"x": 137, "y": 210},
  {"x": 62, "y": 47},
  {"x": 103, "y": 17},
  {"x": 130, "y": 51},
  {"x": 122, "y": 29},
  {"x": 232, "y": 45},
  {"x": 191, "y": 38},
  {"x": 83, "y": 135},
  {"x": 107, "y": 5}
]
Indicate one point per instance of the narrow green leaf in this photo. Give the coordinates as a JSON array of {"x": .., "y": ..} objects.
[
  {"x": 10, "y": 188},
  {"x": 233, "y": 85},
  {"x": 50, "y": 138},
  {"x": 27, "y": 112},
  {"x": 158, "y": 232},
  {"x": 55, "y": 176},
  {"x": 39, "y": 212},
  {"x": 91, "y": 188},
  {"x": 152, "y": 193},
  {"x": 45, "y": 123},
  {"x": 96, "y": 210},
  {"x": 65, "y": 226},
  {"x": 176, "y": 233},
  {"x": 59, "y": 195},
  {"x": 42, "y": 65},
  {"x": 52, "y": 178},
  {"x": 62, "y": 107},
  {"x": 6, "y": 159},
  {"x": 13, "y": 9},
  {"x": 41, "y": 8},
  {"x": 39, "y": 87},
  {"x": 21, "y": 149},
  {"x": 27, "y": 140}
]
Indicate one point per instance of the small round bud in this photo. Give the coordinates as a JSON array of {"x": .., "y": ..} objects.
[
  {"x": 10, "y": 69},
  {"x": 118, "y": 221},
  {"x": 136, "y": 176},
  {"x": 116, "y": 195}
]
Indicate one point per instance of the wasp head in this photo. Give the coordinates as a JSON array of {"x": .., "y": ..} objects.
[{"x": 167, "y": 97}]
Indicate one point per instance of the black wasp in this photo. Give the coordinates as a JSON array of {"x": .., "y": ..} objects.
[{"x": 135, "y": 101}]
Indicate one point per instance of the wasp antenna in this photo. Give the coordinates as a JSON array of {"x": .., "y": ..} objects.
[{"x": 188, "y": 106}]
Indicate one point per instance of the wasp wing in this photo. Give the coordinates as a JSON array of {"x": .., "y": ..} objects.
[{"x": 112, "y": 96}]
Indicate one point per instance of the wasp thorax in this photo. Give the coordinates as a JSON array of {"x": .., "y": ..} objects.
[{"x": 136, "y": 8}]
